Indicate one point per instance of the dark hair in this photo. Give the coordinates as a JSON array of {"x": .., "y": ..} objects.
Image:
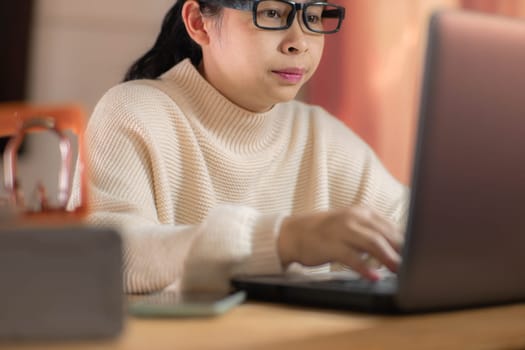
[{"x": 172, "y": 45}]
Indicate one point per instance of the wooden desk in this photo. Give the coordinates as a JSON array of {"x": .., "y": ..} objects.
[{"x": 267, "y": 326}]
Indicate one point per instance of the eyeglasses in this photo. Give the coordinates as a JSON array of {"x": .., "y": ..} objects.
[{"x": 318, "y": 17}]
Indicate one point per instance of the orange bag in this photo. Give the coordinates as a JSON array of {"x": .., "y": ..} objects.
[{"x": 16, "y": 121}]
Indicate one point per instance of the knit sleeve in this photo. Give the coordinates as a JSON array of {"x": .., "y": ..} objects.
[
  {"x": 232, "y": 240},
  {"x": 128, "y": 190}
]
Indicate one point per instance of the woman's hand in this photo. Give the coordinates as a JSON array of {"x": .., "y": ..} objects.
[{"x": 348, "y": 236}]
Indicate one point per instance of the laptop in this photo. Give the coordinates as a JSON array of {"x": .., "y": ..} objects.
[{"x": 465, "y": 233}]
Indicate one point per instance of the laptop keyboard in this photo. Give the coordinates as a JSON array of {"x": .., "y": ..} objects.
[{"x": 387, "y": 283}]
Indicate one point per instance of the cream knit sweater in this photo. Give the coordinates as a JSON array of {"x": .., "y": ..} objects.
[{"x": 198, "y": 186}]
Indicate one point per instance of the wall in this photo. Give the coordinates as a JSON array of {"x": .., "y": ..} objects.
[{"x": 81, "y": 48}]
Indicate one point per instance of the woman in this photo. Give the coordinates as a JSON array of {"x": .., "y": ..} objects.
[{"x": 209, "y": 167}]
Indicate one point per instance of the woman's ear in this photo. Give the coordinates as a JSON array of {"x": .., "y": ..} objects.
[{"x": 194, "y": 22}]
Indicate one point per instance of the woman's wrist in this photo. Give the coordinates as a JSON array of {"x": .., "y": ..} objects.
[{"x": 285, "y": 243}]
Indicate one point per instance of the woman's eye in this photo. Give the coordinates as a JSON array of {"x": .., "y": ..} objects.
[
  {"x": 313, "y": 19},
  {"x": 271, "y": 13}
]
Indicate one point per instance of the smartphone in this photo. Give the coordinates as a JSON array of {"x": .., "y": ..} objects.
[{"x": 172, "y": 304}]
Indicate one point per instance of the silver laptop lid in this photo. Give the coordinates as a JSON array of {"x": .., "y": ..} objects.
[{"x": 466, "y": 227}]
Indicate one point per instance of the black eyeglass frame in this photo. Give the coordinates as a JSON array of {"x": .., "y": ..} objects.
[{"x": 339, "y": 12}]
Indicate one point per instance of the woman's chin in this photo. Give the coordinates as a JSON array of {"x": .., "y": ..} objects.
[{"x": 287, "y": 95}]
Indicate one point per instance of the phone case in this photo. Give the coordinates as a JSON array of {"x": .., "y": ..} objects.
[{"x": 171, "y": 304}]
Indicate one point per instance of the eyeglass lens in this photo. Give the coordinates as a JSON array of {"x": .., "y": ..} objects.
[{"x": 275, "y": 14}]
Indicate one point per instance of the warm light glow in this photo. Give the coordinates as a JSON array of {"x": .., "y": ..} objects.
[{"x": 371, "y": 71}]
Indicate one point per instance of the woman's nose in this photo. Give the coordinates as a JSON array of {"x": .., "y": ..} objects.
[{"x": 295, "y": 41}]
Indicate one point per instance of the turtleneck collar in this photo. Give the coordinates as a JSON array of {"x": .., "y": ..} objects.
[{"x": 236, "y": 126}]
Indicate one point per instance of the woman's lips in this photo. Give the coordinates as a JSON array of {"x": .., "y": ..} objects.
[{"x": 291, "y": 75}]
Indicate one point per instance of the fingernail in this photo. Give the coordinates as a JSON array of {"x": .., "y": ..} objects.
[{"x": 372, "y": 275}]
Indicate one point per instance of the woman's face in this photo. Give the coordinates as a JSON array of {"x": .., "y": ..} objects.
[{"x": 256, "y": 68}]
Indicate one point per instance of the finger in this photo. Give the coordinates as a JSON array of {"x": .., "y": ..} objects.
[
  {"x": 377, "y": 222},
  {"x": 353, "y": 260},
  {"x": 389, "y": 230},
  {"x": 369, "y": 241}
]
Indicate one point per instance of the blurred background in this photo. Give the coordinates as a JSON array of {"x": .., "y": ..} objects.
[
  {"x": 371, "y": 73},
  {"x": 72, "y": 51}
]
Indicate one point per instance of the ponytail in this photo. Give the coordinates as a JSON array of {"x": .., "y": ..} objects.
[{"x": 172, "y": 46}]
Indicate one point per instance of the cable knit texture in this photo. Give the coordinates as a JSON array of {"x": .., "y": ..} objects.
[{"x": 199, "y": 186}]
